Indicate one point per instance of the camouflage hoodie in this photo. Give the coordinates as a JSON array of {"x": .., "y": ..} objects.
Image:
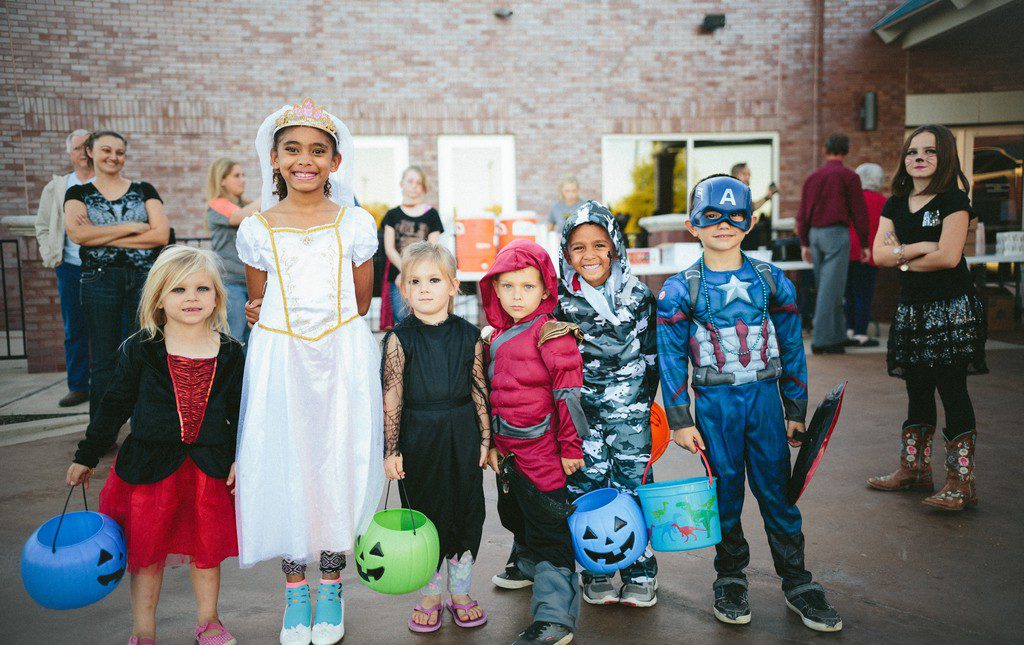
[{"x": 618, "y": 322}]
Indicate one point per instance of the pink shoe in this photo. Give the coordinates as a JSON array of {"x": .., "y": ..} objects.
[
  {"x": 454, "y": 609},
  {"x": 429, "y": 627},
  {"x": 223, "y": 637},
  {"x": 141, "y": 640}
]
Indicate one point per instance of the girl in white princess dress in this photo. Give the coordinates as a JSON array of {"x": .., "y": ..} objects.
[{"x": 308, "y": 467}]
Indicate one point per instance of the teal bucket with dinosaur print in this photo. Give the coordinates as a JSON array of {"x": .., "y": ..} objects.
[{"x": 682, "y": 514}]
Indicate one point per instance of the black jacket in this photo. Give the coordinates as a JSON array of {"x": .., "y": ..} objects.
[{"x": 142, "y": 390}]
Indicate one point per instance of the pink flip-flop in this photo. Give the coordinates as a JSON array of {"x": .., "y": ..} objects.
[
  {"x": 429, "y": 627},
  {"x": 454, "y": 607}
]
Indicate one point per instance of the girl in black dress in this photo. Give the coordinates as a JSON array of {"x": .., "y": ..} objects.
[
  {"x": 437, "y": 426},
  {"x": 938, "y": 335}
]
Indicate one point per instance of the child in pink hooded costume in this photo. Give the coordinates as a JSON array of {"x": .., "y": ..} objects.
[{"x": 536, "y": 373}]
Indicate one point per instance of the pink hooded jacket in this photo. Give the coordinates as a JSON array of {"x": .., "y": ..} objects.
[{"x": 536, "y": 373}]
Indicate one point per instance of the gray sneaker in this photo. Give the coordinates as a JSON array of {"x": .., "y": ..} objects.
[
  {"x": 545, "y": 632},
  {"x": 639, "y": 594},
  {"x": 599, "y": 591}
]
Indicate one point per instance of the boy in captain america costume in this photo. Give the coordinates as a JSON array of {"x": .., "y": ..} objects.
[{"x": 735, "y": 319}]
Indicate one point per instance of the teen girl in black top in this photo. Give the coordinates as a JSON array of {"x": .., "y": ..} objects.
[{"x": 938, "y": 334}]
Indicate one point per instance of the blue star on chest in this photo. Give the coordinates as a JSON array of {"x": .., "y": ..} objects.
[{"x": 733, "y": 289}]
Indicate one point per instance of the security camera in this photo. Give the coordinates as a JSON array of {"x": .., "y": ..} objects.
[{"x": 503, "y": 13}]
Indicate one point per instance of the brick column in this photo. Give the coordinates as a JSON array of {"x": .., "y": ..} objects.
[{"x": 44, "y": 327}]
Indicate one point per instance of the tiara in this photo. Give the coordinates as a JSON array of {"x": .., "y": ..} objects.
[{"x": 306, "y": 113}]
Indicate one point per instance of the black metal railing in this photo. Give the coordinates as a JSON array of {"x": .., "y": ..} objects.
[{"x": 12, "y": 301}]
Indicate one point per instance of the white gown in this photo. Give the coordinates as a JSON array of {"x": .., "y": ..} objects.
[{"x": 310, "y": 448}]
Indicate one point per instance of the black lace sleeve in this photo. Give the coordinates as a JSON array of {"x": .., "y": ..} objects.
[
  {"x": 392, "y": 374},
  {"x": 481, "y": 395}
]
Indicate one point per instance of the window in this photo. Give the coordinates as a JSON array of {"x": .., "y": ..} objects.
[
  {"x": 379, "y": 165},
  {"x": 475, "y": 174},
  {"x": 631, "y": 163}
]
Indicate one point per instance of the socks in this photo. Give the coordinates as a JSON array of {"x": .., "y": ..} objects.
[
  {"x": 297, "y": 612},
  {"x": 328, "y": 605}
]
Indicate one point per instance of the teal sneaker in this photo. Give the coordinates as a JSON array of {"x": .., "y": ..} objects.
[
  {"x": 329, "y": 625},
  {"x": 295, "y": 625}
]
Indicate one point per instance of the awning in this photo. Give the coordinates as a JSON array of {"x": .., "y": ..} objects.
[{"x": 918, "y": 21}]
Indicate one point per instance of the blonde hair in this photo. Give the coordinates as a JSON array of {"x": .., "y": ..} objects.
[
  {"x": 418, "y": 171},
  {"x": 219, "y": 169},
  {"x": 174, "y": 264},
  {"x": 565, "y": 181},
  {"x": 436, "y": 255}
]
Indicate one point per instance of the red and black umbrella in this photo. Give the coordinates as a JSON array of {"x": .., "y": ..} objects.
[{"x": 814, "y": 440}]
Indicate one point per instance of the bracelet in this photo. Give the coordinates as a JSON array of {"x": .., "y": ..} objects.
[{"x": 905, "y": 266}]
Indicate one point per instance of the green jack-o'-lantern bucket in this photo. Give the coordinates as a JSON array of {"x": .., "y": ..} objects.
[{"x": 399, "y": 551}]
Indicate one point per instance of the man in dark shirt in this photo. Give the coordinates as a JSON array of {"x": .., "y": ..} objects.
[{"x": 832, "y": 200}]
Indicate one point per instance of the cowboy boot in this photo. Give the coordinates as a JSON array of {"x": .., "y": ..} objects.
[
  {"x": 915, "y": 471},
  {"x": 959, "y": 492}
]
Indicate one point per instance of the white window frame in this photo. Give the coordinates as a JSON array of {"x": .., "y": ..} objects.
[
  {"x": 446, "y": 188},
  {"x": 397, "y": 144},
  {"x": 689, "y": 137}
]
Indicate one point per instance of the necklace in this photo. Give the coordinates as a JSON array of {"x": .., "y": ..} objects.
[{"x": 711, "y": 312}]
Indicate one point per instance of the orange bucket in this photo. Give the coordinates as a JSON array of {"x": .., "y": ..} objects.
[
  {"x": 474, "y": 242},
  {"x": 519, "y": 226},
  {"x": 661, "y": 434}
]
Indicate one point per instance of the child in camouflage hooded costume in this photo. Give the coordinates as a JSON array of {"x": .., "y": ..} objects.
[{"x": 617, "y": 314}]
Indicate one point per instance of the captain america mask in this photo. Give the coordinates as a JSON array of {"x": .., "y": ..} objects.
[{"x": 721, "y": 199}]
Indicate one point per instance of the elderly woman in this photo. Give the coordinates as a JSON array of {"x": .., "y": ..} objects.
[{"x": 860, "y": 279}]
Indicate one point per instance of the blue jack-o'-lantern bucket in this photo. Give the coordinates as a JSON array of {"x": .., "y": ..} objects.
[
  {"x": 608, "y": 530},
  {"x": 682, "y": 514},
  {"x": 73, "y": 559}
]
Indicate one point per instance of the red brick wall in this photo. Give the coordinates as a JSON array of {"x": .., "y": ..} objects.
[
  {"x": 44, "y": 329},
  {"x": 558, "y": 76}
]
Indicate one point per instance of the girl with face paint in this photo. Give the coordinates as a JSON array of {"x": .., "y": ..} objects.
[{"x": 938, "y": 334}]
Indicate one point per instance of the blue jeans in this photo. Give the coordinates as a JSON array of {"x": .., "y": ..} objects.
[
  {"x": 110, "y": 302},
  {"x": 238, "y": 295},
  {"x": 399, "y": 309},
  {"x": 76, "y": 335},
  {"x": 860, "y": 289}
]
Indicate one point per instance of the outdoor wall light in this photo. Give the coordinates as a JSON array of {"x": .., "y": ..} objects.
[
  {"x": 712, "y": 22},
  {"x": 869, "y": 112},
  {"x": 503, "y": 13}
]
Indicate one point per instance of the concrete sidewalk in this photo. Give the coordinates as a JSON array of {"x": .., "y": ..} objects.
[
  {"x": 897, "y": 571},
  {"x": 28, "y": 405}
]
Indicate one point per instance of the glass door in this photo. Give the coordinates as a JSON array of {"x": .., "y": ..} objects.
[{"x": 993, "y": 166}]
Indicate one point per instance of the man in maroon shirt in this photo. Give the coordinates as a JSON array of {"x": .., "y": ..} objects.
[{"x": 832, "y": 201}]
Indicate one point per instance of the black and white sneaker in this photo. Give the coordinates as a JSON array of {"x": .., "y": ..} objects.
[
  {"x": 731, "y": 603},
  {"x": 511, "y": 578},
  {"x": 809, "y": 602},
  {"x": 546, "y": 633}
]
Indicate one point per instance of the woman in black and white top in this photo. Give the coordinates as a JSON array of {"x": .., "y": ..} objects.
[
  {"x": 938, "y": 334},
  {"x": 121, "y": 227}
]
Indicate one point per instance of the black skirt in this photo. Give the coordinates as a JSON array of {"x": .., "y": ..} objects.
[
  {"x": 938, "y": 333},
  {"x": 440, "y": 433}
]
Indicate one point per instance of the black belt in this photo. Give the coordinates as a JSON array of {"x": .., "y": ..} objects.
[{"x": 435, "y": 406}]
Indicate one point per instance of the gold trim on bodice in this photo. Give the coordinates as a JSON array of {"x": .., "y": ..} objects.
[{"x": 271, "y": 230}]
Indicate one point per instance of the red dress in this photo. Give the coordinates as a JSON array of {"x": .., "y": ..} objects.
[{"x": 187, "y": 516}]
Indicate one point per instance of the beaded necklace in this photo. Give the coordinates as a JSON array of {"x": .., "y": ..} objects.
[{"x": 711, "y": 312}]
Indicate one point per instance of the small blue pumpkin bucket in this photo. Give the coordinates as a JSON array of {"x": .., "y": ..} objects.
[
  {"x": 73, "y": 559},
  {"x": 608, "y": 530},
  {"x": 682, "y": 514}
]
